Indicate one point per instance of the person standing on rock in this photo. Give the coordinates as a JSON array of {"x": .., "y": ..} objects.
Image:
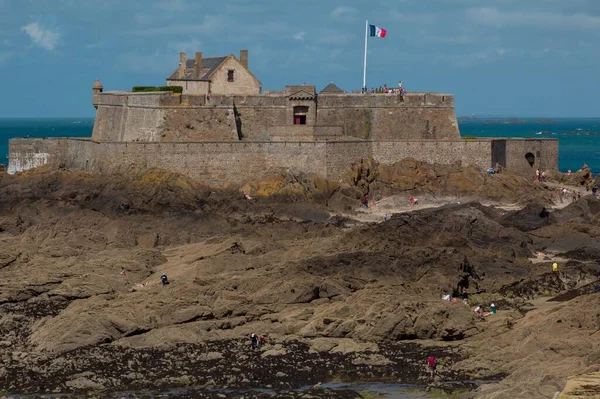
[
  {"x": 432, "y": 365},
  {"x": 537, "y": 175},
  {"x": 555, "y": 267},
  {"x": 254, "y": 343},
  {"x": 164, "y": 280}
]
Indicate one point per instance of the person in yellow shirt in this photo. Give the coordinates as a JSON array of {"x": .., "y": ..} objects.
[{"x": 555, "y": 267}]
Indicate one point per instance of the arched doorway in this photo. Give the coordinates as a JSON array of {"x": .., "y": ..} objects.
[{"x": 530, "y": 159}]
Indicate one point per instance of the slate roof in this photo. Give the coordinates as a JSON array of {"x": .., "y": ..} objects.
[
  {"x": 210, "y": 64},
  {"x": 331, "y": 88}
]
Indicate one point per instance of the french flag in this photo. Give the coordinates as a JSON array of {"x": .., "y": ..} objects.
[{"x": 377, "y": 31}]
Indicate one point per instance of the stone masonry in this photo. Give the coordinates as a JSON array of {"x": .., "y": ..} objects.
[
  {"x": 224, "y": 139},
  {"x": 237, "y": 162}
]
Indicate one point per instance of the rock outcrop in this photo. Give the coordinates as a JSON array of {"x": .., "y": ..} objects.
[{"x": 83, "y": 307}]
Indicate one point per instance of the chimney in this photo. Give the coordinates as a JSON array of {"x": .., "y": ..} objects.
[
  {"x": 182, "y": 66},
  {"x": 198, "y": 65},
  {"x": 244, "y": 58}
]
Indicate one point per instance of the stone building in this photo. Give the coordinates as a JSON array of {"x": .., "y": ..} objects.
[
  {"x": 223, "y": 130},
  {"x": 224, "y": 75}
]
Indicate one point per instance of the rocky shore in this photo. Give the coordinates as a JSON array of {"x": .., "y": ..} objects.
[{"x": 83, "y": 310}]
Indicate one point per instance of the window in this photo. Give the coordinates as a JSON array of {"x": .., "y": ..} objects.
[
  {"x": 300, "y": 113},
  {"x": 230, "y": 74}
]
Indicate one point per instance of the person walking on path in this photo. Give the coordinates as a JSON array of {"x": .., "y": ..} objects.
[{"x": 432, "y": 365}]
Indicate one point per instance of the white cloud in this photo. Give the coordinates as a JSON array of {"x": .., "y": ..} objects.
[
  {"x": 47, "y": 38},
  {"x": 536, "y": 19},
  {"x": 299, "y": 36},
  {"x": 344, "y": 12}
]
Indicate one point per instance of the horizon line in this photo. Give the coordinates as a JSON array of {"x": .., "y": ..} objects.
[{"x": 473, "y": 116}]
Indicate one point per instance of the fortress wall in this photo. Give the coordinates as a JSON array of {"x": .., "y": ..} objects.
[
  {"x": 305, "y": 133},
  {"x": 249, "y": 101},
  {"x": 214, "y": 163},
  {"x": 414, "y": 123},
  {"x": 108, "y": 122},
  {"x": 387, "y": 100},
  {"x": 341, "y": 154},
  {"x": 142, "y": 124},
  {"x": 545, "y": 152},
  {"x": 238, "y": 162},
  {"x": 110, "y": 98},
  {"x": 419, "y": 116},
  {"x": 293, "y": 133},
  {"x": 469, "y": 152},
  {"x": 328, "y": 132},
  {"x": 194, "y": 101},
  {"x": 257, "y": 122},
  {"x": 194, "y": 124},
  {"x": 149, "y": 99},
  {"x": 392, "y": 123},
  {"x": 84, "y": 154},
  {"x": 127, "y": 123},
  {"x": 356, "y": 122},
  {"x": 25, "y": 154},
  {"x": 123, "y": 116}
]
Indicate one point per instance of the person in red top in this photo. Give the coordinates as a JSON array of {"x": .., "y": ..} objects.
[{"x": 431, "y": 364}]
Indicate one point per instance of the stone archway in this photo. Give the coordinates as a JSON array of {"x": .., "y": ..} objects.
[{"x": 530, "y": 159}]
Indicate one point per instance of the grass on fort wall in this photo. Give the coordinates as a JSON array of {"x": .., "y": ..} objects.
[{"x": 144, "y": 89}]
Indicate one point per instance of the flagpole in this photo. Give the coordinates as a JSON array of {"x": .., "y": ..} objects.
[{"x": 365, "y": 62}]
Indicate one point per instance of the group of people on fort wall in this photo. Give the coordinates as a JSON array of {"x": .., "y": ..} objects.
[{"x": 385, "y": 90}]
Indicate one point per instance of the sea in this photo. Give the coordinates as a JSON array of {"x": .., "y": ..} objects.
[{"x": 579, "y": 139}]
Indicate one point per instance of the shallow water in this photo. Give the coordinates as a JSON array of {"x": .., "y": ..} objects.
[
  {"x": 383, "y": 390},
  {"x": 391, "y": 391}
]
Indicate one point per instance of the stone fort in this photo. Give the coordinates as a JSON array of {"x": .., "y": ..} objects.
[{"x": 224, "y": 129}]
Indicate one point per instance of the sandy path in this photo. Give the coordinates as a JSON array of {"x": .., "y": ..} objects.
[{"x": 388, "y": 206}]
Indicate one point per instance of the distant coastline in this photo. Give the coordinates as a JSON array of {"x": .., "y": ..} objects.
[{"x": 506, "y": 121}]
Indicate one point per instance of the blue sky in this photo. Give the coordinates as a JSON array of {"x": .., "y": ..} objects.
[{"x": 500, "y": 57}]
